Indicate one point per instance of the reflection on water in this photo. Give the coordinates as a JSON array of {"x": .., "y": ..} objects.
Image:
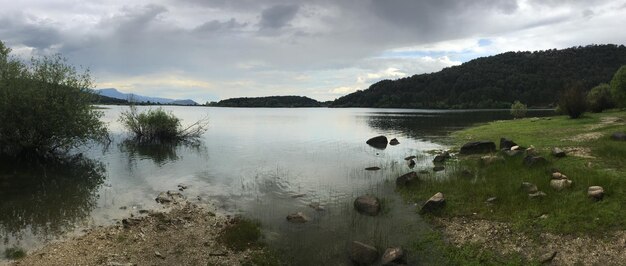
[
  {"x": 262, "y": 163},
  {"x": 46, "y": 199}
]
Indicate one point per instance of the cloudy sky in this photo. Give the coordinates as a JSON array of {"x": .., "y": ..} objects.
[{"x": 217, "y": 49}]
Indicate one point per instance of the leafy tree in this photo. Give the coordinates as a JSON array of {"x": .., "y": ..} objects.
[
  {"x": 618, "y": 87},
  {"x": 518, "y": 109},
  {"x": 573, "y": 102},
  {"x": 45, "y": 106},
  {"x": 599, "y": 98}
]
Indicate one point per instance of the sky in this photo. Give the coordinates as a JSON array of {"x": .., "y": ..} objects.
[{"x": 208, "y": 50}]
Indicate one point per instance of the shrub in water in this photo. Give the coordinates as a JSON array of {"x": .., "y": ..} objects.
[
  {"x": 155, "y": 125},
  {"x": 518, "y": 109}
]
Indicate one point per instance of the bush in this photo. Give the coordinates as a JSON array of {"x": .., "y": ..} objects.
[
  {"x": 14, "y": 253},
  {"x": 45, "y": 107},
  {"x": 618, "y": 87},
  {"x": 599, "y": 98},
  {"x": 518, "y": 109},
  {"x": 159, "y": 126},
  {"x": 573, "y": 102}
]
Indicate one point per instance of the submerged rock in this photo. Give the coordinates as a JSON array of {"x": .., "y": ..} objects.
[
  {"x": 406, "y": 179},
  {"x": 394, "y": 142},
  {"x": 595, "y": 192},
  {"x": 436, "y": 202},
  {"x": 367, "y": 204},
  {"x": 298, "y": 218},
  {"x": 478, "y": 147},
  {"x": 393, "y": 256},
  {"x": 440, "y": 158},
  {"x": 373, "y": 168},
  {"x": 379, "y": 142},
  {"x": 363, "y": 254}
]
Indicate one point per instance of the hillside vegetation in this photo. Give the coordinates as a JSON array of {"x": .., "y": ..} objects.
[
  {"x": 270, "y": 101},
  {"x": 534, "y": 78}
]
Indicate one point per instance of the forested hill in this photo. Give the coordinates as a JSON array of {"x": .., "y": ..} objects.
[
  {"x": 534, "y": 78},
  {"x": 270, "y": 101}
]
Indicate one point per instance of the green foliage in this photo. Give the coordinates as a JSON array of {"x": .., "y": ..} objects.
[
  {"x": 242, "y": 234},
  {"x": 599, "y": 98},
  {"x": 618, "y": 87},
  {"x": 518, "y": 109},
  {"x": 573, "y": 102},
  {"x": 45, "y": 106},
  {"x": 157, "y": 125},
  {"x": 534, "y": 78},
  {"x": 271, "y": 101},
  {"x": 14, "y": 253}
]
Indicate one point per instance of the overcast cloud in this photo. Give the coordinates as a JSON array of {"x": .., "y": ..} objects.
[{"x": 217, "y": 49}]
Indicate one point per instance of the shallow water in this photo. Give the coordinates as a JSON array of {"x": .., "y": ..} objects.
[{"x": 250, "y": 161}]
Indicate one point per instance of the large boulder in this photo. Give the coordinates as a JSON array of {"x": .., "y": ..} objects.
[
  {"x": 406, "y": 179},
  {"x": 298, "y": 218},
  {"x": 532, "y": 161},
  {"x": 367, "y": 204},
  {"x": 436, "y": 202},
  {"x": 363, "y": 254},
  {"x": 558, "y": 152},
  {"x": 393, "y": 256},
  {"x": 621, "y": 136},
  {"x": 595, "y": 192},
  {"x": 506, "y": 144},
  {"x": 379, "y": 142},
  {"x": 478, "y": 147}
]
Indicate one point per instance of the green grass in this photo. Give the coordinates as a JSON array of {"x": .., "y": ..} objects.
[
  {"x": 568, "y": 211},
  {"x": 14, "y": 253},
  {"x": 242, "y": 234}
]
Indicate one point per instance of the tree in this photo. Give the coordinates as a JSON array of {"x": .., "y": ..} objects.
[
  {"x": 599, "y": 98},
  {"x": 618, "y": 87},
  {"x": 573, "y": 102},
  {"x": 45, "y": 106},
  {"x": 518, "y": 109}
]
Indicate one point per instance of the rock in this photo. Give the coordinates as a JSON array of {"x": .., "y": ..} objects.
[
  {"x": 128, "y": 222},
  {"x": 560, "y": 184},
  {"x": 438, "y": 168},
  {"x": 379, "y": 142},
  {"x": 548, "y": 257},
  {"x": 394, "y": 142},
  {"x": 440, "y": 158},
  {"x": 393, "y": 256},
  {"x": 491, "y": 200},
  {"x": 298, "y": 218},
  {"x": 558, "y": 175},
  {"x": 436, "y": 202},
  {"x": 537, "y": 195},
  {"x": 532, "y": 161},
  {"x": 182, "y": 187},
  {"x": 595, "y": 192},
  {"x": 163, "y": 198},
  {"x": 478, "y": 147},
  {"x": 298, "y": 196},
  {"x": 406, "y": 179},
  {"x": 367, "y": 204},
  {"x": 529, "y": 187},
  {"x": 557, "y": 152},
  {"x": 410, "y": 157},
  {"x": 491, "y": 159},
  {"x": 531, "y": 151},
  {"x": 512, "y": 153},
  {"x": 169, "y": 197},
  {"x": 316, "y": 206},
  {"x": 506, "y": 144},
  {"x": 114, "y": 263},
  {"x": 411, "y": 164},
  {"x": 363, "y": 254},
  {"x": 159, "y": 255},
  {"x": 619, "y": 136},
  {"x": 515, "y": 148},
  {"x": 373, "y": 168}
]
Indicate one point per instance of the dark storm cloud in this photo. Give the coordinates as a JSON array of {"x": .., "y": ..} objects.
[
  {"x": 16, "y": 29},
  {"x": 278, "y": 16}
]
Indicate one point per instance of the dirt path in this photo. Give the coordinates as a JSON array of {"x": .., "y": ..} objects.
[{"x": 185, "y": 235}]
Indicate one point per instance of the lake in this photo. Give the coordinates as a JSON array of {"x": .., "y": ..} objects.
[{"x": 261, "y": 163}]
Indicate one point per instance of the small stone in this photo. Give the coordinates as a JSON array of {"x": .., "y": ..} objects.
[
  {"x": 435, "y": 203},
  {"x": 159, "y": 255},
  {"x": 410, "y": 157},
  {"x": 438, "y": 168},
  {"x": 406, "y": 179},
  {"x": 560, "y": 184},
  {"x": 123, "y": 208},
  {"x": 393, "y": 256},
  {"x": 182, "y": 186},
  {"x": 557, "y": 152},
  {"x": 529, "y": 187},
  {"x": 298, "y": 218},
  {"x": 163, "y": 198},
  {"x": 411, "y": 163},
  {"x": 492, "y": 199},
  {"x": 514, "y": 148},
  {"x": 363, "y": 254},
  {"x": 373, "y": 168},
  {"x": 548, "y": 257},
  {"x": 394, "y": 142},
  {"x": 507, "y": 144},
  {"x": 595, "y": 192},
  {"x": 536, "y": 195},
  {"x": 557, "y": 175}
]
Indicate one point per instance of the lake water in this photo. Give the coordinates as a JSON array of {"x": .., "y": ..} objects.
[{"x": 251, "y": 162}]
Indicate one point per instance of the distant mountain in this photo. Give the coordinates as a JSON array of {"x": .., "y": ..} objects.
[
  {"x": 270, "y": 101},
  {"x": 534, "y": 78},
  {"x": 114, "y": 93},
  {"x": 101, "y": 99}
]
